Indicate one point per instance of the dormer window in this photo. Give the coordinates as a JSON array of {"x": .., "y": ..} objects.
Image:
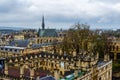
[
  {"x": 10, "y": 49},
  {"x": 1, "y": 48},
  {"x": 6, "y": 49},
  {"x": 15, "y": 50}
]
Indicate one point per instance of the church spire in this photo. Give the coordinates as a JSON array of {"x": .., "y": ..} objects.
[{"x": 43, "y": 24}]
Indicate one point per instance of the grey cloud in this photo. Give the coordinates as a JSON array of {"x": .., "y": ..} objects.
[
  {"x": 106, "y": 1},
  {"x": 22, "y": 12},
  {"x": 7, "y": 6}
]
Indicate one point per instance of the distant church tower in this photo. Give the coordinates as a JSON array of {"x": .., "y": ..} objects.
[
  {"x": 46, "y": 32},
  {"x": 43, "y": 24}
]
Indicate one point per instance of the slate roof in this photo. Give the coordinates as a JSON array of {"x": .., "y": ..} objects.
[
  {"x": 35, "y": 46},
  {"x": 12, "y": 47},
  {"x": 20, "y": 43},
  {"x": 47, "y": 33},
  {"x": 68, "y": 72},
  {"x": 47, "y": 78}
]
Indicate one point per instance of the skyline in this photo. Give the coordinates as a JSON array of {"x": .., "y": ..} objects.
[{"x": 98, "y": 14}]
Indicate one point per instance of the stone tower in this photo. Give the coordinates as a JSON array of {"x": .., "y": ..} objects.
[{"x": 106, "y": 57}]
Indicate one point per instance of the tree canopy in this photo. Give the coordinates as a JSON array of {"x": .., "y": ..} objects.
[{"x": 80, "y": 38}]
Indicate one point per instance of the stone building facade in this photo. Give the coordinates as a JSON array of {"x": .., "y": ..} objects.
[
  {"x": 114, "y": 48},
  {"x": 103, "y": 71},
  {"x": 59, "y": 66}
]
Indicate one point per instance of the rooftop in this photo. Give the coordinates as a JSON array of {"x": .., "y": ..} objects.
[
  {"x": 103, "y": 63},
  {"x": 72, "y": 75},
  {"x": 47, "y": 33},
  {"x": 19, "y": 43},
  {"x": 11, "y": 47},
  {"x": 34, "y": 46},
  {"x": 47, "y": 78}
]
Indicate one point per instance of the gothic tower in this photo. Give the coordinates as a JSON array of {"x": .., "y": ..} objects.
[{"x": 43, "y": 24}]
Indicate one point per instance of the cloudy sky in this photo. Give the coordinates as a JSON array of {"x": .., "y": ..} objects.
[{"x": 60, "y": 13}]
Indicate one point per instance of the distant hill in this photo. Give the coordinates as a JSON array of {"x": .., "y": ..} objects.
[{"x": 10, "y": 28}]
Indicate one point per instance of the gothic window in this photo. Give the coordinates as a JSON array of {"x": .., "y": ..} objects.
[
  {"x": 10, "y": 49},
  {"x": 113, "y": 48},
  {"x": 15, "y": 50},
  {"x": 100, "y": 78},
  {"x": 117, "y": 48},
  {"x": 6, "y": 49},
  {"x": 41, "y": 41},
  {"x": 50, "y": 41},
  {"x": 60, "y": 35},
  {"x": 52, "y": 64},
  {"x": 60, "y": 72},
  {"x": 110, "y": 47},
  {"x": 38, "y": 41},
  {"x": 1, "y": 48},
  {"x": 40, "y": 63},
  {"x": 46, "y": 41},
  {"x": 109, "y": 73}
]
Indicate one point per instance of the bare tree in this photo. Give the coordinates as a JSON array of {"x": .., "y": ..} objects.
[{"x": 80, "y": 38}]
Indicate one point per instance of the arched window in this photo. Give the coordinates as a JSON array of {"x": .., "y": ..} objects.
[
  {"x": 51, "y": 64},
  {"x": 50, "y": 41},
  {"x": 41, "y": 41},
  {"x": 100, "y": 78},
  {"x": 47, "y": 41},
  {"x": 113, "y": 48},
  {"x": 38, "y": 41},
  {"x": 110, "y": 48},
  {"x": 116, "y": 48},
  {"x": 60, "y": 72}
]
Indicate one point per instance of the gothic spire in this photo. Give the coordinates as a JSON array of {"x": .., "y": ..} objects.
[{"x": 43, "y": 24}]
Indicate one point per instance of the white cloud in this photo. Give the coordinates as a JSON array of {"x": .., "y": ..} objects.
[{"x": 117, "y": 7}]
